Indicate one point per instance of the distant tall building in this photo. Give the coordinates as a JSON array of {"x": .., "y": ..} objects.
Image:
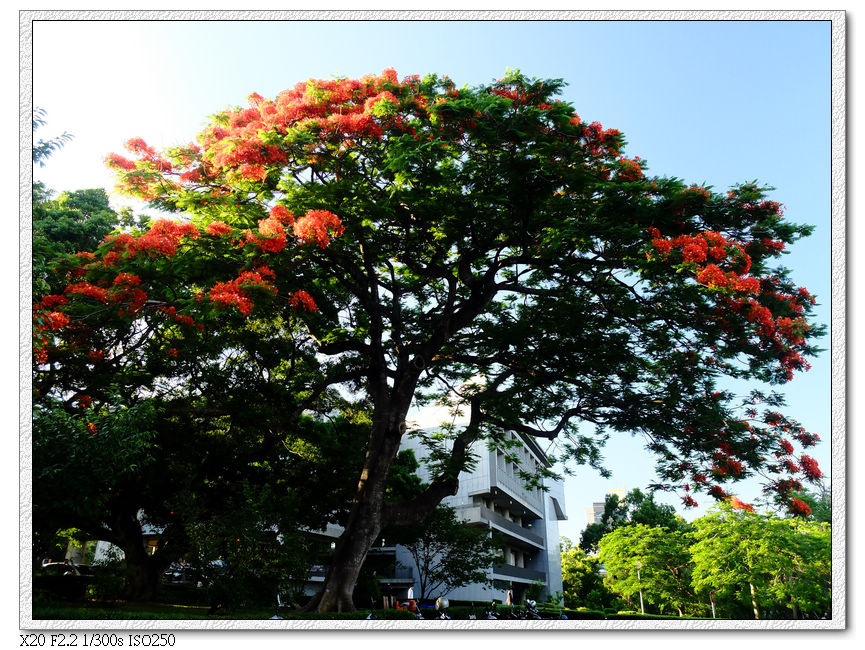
[{"x": 594, "y": 514}]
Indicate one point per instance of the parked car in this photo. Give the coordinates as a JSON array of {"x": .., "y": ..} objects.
[
  {"x": 62, "y": 580},
  {"x": 176, "y": 574},
  {"x": 65, "y": 569}
]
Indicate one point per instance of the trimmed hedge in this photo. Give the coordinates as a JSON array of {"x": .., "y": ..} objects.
[
  {"x": 584, "y": 615},
  {"x": 108, "y": 614},
  {"x": 463, "y": 612},
  {"x": 59, "y": 612},
  {"x": 663, "y": 617},
  {"x": 359, "y": 615}
]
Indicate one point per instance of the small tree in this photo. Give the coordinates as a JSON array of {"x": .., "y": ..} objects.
[
  {"x": 652, "y": 561},
  {"x": 761, "y": 561},
  {"x": 582, "y": 582},
  {"x": 448, "y": 554}
]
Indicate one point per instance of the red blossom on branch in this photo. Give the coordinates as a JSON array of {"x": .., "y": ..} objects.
[
  {"x": 303, "y": 301},
  {"x": 218, "y": 228},
  {"x": 239, "y": 292},
  {"x": 737, "y": 504},
  {"x": 318, "y": 227},
  {"x": 799, "y": 508},
  {"x": 810, "y": 468}
]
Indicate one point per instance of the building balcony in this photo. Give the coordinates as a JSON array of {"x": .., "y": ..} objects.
[
  {"x": 482, "y": 515},
  {"x": 318, "y": 572},
  {"x": 511, "y": 572}
]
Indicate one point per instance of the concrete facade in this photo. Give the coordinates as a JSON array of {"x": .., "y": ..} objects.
[{"x": 494, "y": 497}]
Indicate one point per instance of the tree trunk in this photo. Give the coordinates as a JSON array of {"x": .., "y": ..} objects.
[
  {"x": 142, "y": 579},
  {"x": 370, "y": 514},
  {"x": 335, "y": 594},
  {"x": 754, "y": 601},
  {"x": 143, "y": 570},
  {"x": 365, "y": 520},
  {"x": 797, "y": 613}
]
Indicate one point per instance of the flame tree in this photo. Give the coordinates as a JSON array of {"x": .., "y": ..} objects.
[{"x": 411, "y": 236}]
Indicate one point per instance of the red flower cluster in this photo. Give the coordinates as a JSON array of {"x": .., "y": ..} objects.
[
  {"x": 119, "y": 163},
  {"x": 139, "y": 182},
  {"x": 343, "y": 108},
  {"x": 238, "y": 292},
  {"x": 53, "y": 300},
  {"x": 727, "y": 466},
  {"x": 786, "y": 447},
  {"x": 179, "y": 318},
  {"x": 127, "y": 279},
  {"x": 318, "y": 227},
  {"x": 370, "y": 105},
  {"x": 630, "y": 170},
  {"x": 737, "y": 504},
  {"x": 273, "y": 232},
  {"x": 162, "y": 238},
  {"x": 810, "y": 468},
  {"x": 87, "y": 289},
  {"x": 599, "y": 142},
  {"x": 301, "y": 300},
  {"x": 218, "y": 228},
  {"x": 54, "y": 320},
  {"x": 799, "y": 508}
]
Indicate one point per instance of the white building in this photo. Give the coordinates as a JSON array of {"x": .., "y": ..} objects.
[{"x": 493, "y": 496}]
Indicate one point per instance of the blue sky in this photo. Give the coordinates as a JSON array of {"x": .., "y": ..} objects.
[{"x": 714, "y": 102}]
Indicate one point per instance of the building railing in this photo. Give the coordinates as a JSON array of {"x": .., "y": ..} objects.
[
  {"x": 482, "y": 514},
  {"x": 398, "y": 573},
  {"x": 511, "y": 571},
  {"x": 517, "y": 487}
]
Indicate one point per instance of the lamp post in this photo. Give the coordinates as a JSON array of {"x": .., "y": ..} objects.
[{"x": 639, "y": 566}]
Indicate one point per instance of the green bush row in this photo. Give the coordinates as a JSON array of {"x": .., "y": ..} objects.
[
  {"x": 380, "y": 614},
  {"x": 635, "y": 616},
  {"x": 462, "y": 612}
]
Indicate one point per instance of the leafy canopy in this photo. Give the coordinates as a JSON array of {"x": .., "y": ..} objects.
[{"x": 403, "y": 237}]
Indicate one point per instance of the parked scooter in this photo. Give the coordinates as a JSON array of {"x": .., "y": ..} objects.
[
  {"x": 490, "y": 612},
  {"x": 531, "y": 612},
  {"x": 442, "y": 605}
]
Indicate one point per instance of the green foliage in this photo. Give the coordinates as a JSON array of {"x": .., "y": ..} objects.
[
  {"x": 760, "y": 564},
  {"x": 74, "y": 221},
  {"x": 76, "y": 473},
  {"x": 653, "y": 561},
  {"x": 818, "y": 500},
  {"x": 636, "y": 508},
  {"x": 109, "y": 579},
  {"x": 42, "y": 149},
  {"x": 241, "y": 559},
  {"x": 753, "y": 565},
  {"x": 582, "y": 583},
  {"x": 483, "y": 232}
]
